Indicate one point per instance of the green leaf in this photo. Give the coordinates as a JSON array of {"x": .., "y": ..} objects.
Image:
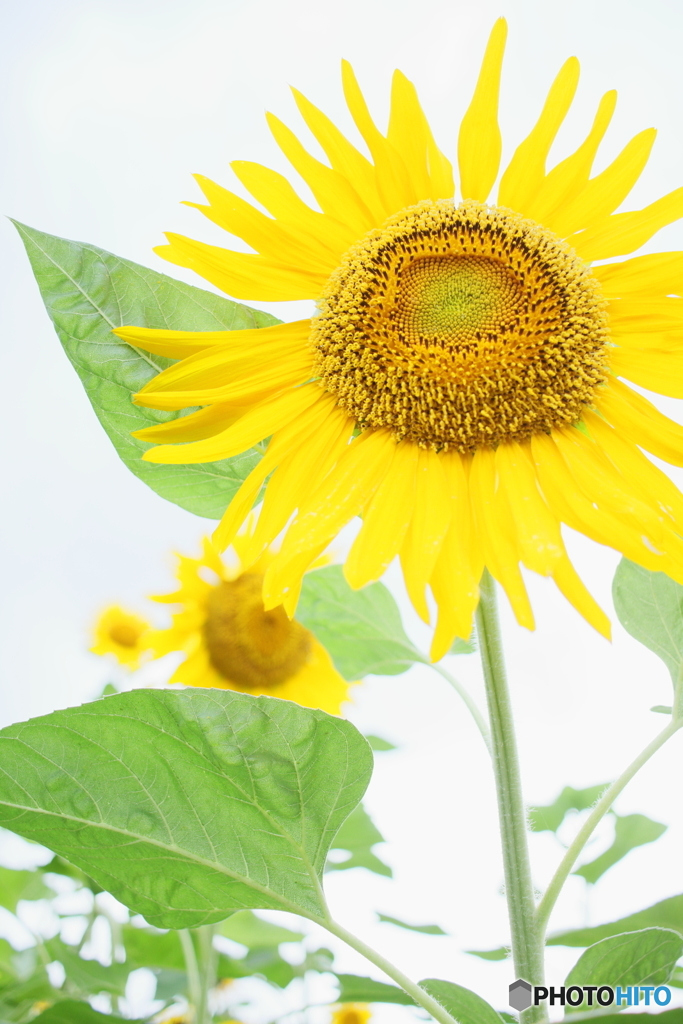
[
  {"x": 665, "y": 914},
  {"x": 145, "y": 948},
  {"x": 354, "y": 989},
  {"x": 378, "y": 744},
  {"x": 644, "y": 957},
  {"x": 255, "y": 933},
  {"x": 68, "y": 1011},
  {"x": 88, "y": 976},
  {"x": 630, "y": 831},
  {"x": 424, "y": 929},
  {"x": 502, "y": 953},
  {"x": 461, "y": 646},
  {"x": 188, "y": 805},
  {"x": 550, "y": 817},
  {"x": 21, "y": 885},
  {"x": 357, "y": 836},
  {"x": 361, "y": 629},
  {"x": 462, "y": 1004},
  {"x": 668, "y": 1017},
  {"x": 650, "y": 608},
  {"x": 87, "y": 292}
]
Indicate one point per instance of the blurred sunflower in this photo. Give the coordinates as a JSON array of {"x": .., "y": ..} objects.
[
  {"x": 458, "y": 387},
  {"x": 352, "y": 1013},
  {"x": 123, "y": 634},
  {"x": 233, "y": 643}
]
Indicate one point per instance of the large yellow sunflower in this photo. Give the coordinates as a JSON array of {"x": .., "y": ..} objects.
[
  {"x": 460, "y": 387},
  {"x": 233, "y": 643}
]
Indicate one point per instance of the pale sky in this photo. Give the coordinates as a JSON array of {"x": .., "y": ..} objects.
[{"x": 108, "y": 108}]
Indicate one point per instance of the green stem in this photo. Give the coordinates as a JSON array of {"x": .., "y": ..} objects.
[
  {"x": 603, "y": 805},
  {"x": 194, "y": 983},
  {"x": 470, "y": 703},
  {"x": 208, "y": 962},
  {"x": 421, "y": 997},
  {"x": 527, "y": 949}
]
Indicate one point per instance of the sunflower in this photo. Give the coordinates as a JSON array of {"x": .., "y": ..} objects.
[
  {"x": 123, "y": 634},
  {"x": 352, "y": 1013},
  {"x": 461, "y": 386},
  {"x": 233, "y": 643}
]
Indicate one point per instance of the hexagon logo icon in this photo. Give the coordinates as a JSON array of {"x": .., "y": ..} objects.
[{"x": 520, "y": 994}]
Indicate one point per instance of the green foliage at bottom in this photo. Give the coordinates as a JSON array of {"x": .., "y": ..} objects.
[{"x": 462, "y": 1004}]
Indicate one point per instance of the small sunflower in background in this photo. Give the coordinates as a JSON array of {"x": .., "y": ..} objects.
[
  {"x": 123, "y": 634},
  {"x": 352, "y": 1013},
  {"x": 461, "y": 385},
  {"x": 232, "y": 642}
]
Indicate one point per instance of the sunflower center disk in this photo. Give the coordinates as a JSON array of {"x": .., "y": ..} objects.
[
  {"x": 247, "y": 645},
  {"x": 460, "y": 328}
]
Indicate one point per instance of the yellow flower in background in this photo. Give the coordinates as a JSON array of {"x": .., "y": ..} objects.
[
  {"x": 232, "y": 642},
  {"x": 459, "y": 387},
  {"x": 123, "y": 634},
  {"x": 352, "y": 1013}
]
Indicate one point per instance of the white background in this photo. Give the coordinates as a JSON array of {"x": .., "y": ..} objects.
[{"x": 108, "y": 107}]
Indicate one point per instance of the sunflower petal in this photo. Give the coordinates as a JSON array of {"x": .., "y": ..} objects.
[
  {"x": 427, "y": 529},
  {"x": 643, "y": 424},
  {"x": 479, "y": 140}
]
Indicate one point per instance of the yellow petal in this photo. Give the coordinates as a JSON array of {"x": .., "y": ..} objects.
[
  {"x": 409, "y": 132},
  {"x": 607, "y": 190},
  {"x": 537, "y": 531},
  {"x": 427, "y": 529},
  {"x": 256, "y": 424},
  {"x": 317, "y": 684},
  {"x": 656, "y": 370},
  {"x": 495, "y": 530},
  {"x": 526, "y": 171},
  {"x": 479, "y": 140},
  {"x": 568, "y": 179},
  {"x": 180, "y": 344},
  {"x": 623, "y": 233},
  {"x": 386, "y": 519},
  {"x": 570, "y": 584},
  {"x": 194, "y": 427},
  {"x": 240, "y": 274},
  {"x": 657, "y": 273},
  {"x": 639, "y": 420}
]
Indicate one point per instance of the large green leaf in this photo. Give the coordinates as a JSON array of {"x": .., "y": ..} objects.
[
  {"x": 87, "y": 292},
  {"x": 355, "y": 989},
  {"x": 644, "y": 957},
  {"x": 463, "y": 1005},
  {"x": 357, "y": 836},
  {"x": 255, "y": 933},
  {"x": 549, "y": 817},
  {"x": 650, "y": 608},
  {"x": 630, "y": 831},
  {"x": 187, "y": 806},
  {"x": 665, "y": 914},
  {"x": 361, "y": 629},
  {"x": 88, "y": 976}
]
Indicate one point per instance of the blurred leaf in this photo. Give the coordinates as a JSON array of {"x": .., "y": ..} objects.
[
  {"x": 354, "y": 989},
  {"x": 461, "y": 646},
  {"x": 462, "y": 1004},
  {"x": 88, "y": 976},
  {"x": 668, "y": 1017},
  {"x": 87, "y": 292},
  {"x": 145, "y": 948},
  {"x": 424, "y": 929},
  {"x": 21, "y": 885},
  {"x": 662, "y": 709},
  {"x": 170, "y": 984},
  {"x": 630, "y": 831},
  {"x": 550, "y": 817},
  {"x": 502, "y": 953},
  {"x": 18, "y": 999},
  {"x": 71, "y": 1012},
  {"x": 676, "y": 978},
  {"x": 59, "y": 866},
  {"x": 222, "y": 800},
  {"x": 266, "y": 962},
  {"x": 255, "y": 933},
  {"x": 644, "y": 957},
  {"x": 665, "y": 914},
  {"x": 507, "y": 1017},
  {"x": 378, "y": 744},
  {"x": 358, "y": 835},
  {"x": 650, "y": 608},
  {"x": 361, "y": 629}
]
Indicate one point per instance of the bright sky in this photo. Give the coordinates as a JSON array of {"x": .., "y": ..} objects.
[{"x": 109, "y": 106}]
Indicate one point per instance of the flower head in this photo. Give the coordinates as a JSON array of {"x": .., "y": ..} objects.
[
  {"x": 123, "y": 634},
  {"x": 352, "y": 1013},
  {"x": 460, "y": 386},
  {"x": 232, "y": 642}
]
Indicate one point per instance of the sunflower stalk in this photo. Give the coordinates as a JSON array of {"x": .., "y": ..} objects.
[{"x": 527, "y": 944}]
